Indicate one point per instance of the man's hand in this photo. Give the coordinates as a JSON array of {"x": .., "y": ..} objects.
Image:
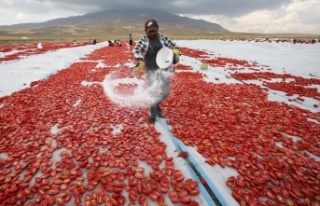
[
  {"x": 176, "y": 54},
  {"x": 139, "y": 66}
]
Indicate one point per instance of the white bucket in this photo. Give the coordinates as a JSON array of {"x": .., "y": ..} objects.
[
  {"x": 164, "y": 58},
  {"x": 39, "y": 45}
]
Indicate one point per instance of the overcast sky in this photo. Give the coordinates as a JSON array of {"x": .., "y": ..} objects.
[{"x": 266, "y": 16}]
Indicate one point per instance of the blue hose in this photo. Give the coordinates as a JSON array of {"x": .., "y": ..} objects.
[{"x": 180, "y": 146}]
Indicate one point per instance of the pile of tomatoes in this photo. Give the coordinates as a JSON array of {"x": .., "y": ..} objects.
[
  {"x": 66, "y": 143},
  {"x": 18, "y": 51}
]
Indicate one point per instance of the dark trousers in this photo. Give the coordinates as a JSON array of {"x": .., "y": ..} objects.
[{"x": 159, "y": 81}]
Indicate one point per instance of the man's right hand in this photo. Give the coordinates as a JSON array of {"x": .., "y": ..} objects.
[
  {"x": 176, "y": 54},
  {"x": 139, "y": 66}
]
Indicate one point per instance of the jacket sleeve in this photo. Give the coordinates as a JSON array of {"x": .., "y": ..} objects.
[
  {"x": 138, "y": 50},
  {"x": 168, "y": 42}
]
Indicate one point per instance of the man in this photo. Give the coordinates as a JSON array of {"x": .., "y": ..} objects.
[
  {"x": 110, "y": 43},
  {"x": 130, "y": 39},
  {"x": 145, "y": 52}
]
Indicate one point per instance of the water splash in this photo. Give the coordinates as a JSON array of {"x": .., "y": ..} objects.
[{"x": 141, "y": 95}]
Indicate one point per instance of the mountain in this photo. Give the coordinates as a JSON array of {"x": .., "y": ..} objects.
[{"x": 114, "y": 23}]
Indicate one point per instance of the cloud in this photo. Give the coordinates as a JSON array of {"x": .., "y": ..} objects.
[
  {"x": 301, "y": 16},
  {"x": 286, "y": 16},
  {"x": 28, "y": 11},
  {"x": 216, "y": 7}
]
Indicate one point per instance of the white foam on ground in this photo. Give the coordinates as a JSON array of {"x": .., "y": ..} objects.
[{"x": 142, "y": 93}]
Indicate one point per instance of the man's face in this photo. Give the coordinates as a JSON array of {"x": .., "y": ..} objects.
[{"x": 152, "y": 34}]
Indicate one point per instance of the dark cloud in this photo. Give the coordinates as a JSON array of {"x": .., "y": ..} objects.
[
  {"x": 236, "y": 15},
  {"x": 228, "y": 8}
]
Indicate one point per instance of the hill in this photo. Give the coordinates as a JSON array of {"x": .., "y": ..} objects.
[{"x": 111, "y": 24}]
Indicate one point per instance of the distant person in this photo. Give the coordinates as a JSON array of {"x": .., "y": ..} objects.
[
  {"x": 145, "y": 53},
  {"x": 110, "y": 43},
  {"x": 118, "y": 42},
  {"x": 94, "y": 41},
  {"x": 130, "y": 39}
]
